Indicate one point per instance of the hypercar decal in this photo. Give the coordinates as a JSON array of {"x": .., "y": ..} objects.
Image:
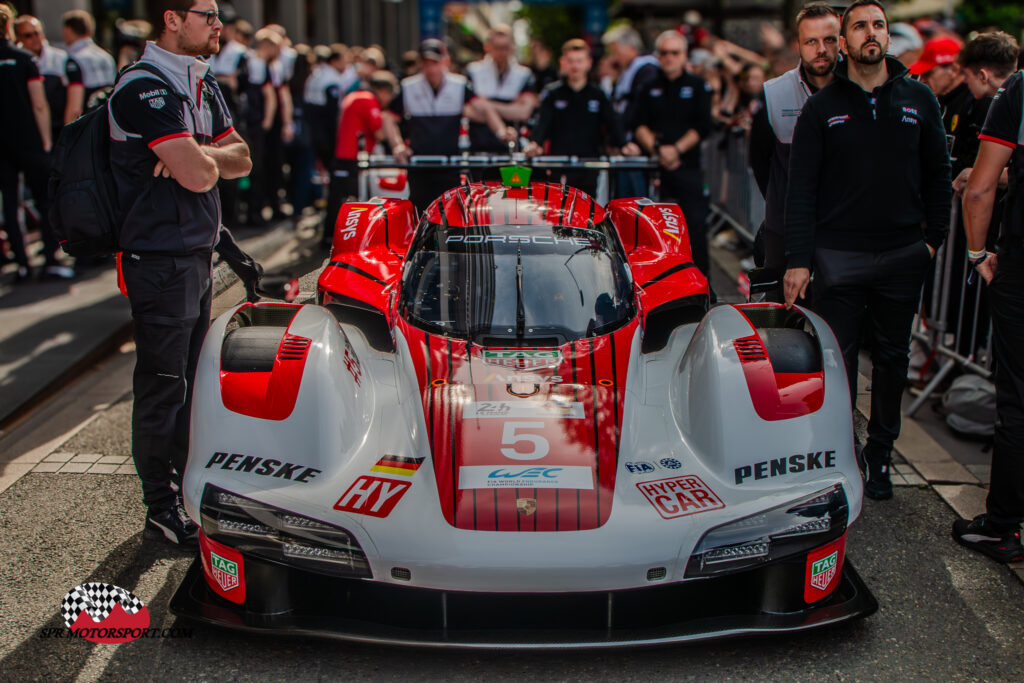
[{"x": 680, "y": 496}]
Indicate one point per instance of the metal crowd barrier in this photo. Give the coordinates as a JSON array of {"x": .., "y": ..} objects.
[
  {"x": 735, "y": 198},
  {"x": 943, "y": 331}
]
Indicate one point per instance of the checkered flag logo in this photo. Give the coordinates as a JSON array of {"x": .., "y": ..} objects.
[{"x": 97, "y": 600}]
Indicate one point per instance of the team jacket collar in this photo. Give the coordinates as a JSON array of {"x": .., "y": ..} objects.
[
  {"x": 184, "y": 72},
  {"x": 894, "y": 66}
]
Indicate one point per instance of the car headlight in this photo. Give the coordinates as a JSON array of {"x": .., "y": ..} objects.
[
  {"x": 771, "y": 535},
  {"x": 281, "y": 536}
]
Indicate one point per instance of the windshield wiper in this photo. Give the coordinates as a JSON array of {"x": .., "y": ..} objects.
[{"x": 520, "y": 308}]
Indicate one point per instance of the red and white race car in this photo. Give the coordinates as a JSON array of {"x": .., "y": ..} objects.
[{"x": 515, "y": 422}]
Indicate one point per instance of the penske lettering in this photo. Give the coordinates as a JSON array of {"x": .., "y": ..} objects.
[
  {"x": 680, "y": 496},
  {"x": 779, "y": 467},
  {"x": 266, "y": 467}
]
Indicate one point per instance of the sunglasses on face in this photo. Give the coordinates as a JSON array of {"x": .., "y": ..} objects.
[
  {"x": 674, "y": 53},
  {"x": 211, "y": 16}
]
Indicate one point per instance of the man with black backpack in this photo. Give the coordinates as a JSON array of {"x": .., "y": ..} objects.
[{"x": 171, "y": 141}]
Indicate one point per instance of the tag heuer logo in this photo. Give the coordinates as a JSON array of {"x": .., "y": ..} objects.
[
  {"x": 225, "y": 572},
  {"x": 157, "y": 102},
  {"x": 823, "y": 570},
  {"x": 523, "y": 359}
]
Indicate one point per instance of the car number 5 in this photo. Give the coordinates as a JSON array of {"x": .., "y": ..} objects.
[{"x": 509, "y": 437}]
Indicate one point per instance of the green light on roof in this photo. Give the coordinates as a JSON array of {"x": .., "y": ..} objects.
[{"x": 515, "y": 176}]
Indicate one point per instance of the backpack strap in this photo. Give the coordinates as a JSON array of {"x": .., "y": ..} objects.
[{"x": 133, "y": 72}]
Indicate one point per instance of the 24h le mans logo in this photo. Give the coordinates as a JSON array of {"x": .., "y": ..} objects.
[
  {"x": 823, "y": 570},
  {"x": 225, "y": 572}
]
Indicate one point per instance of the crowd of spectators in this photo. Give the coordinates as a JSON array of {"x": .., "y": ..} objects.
[{"x": 288, "y": 101}]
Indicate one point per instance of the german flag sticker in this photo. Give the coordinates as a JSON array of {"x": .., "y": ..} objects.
[{"x": 397, "y": 464}]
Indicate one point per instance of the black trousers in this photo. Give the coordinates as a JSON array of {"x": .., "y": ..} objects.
[
  {"x": 426, "y": 185},
  {"x": 685, "y": 187},
  {"x": 879, "y": 291},
  {"x": 1006, "y": 294},
  {"x": 35, "y": 166},
  {"x": 170, "y": 298}
]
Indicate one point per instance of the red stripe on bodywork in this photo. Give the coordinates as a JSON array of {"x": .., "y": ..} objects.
[{"x": 452, "y": 375}]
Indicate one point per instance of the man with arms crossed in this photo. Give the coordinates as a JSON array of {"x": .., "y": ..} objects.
[{"x": 171, "y": 141}]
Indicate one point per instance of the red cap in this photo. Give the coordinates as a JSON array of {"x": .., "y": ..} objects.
[{"x": 937, "y": 52}]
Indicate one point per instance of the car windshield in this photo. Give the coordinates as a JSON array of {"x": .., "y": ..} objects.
[{"x": 517, "y": 285}]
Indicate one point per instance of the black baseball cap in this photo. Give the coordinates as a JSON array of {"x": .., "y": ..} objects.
[{"x": 432, "y": 48}]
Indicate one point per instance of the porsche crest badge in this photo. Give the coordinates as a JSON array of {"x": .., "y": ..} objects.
[{"x": 526, "y": 506}]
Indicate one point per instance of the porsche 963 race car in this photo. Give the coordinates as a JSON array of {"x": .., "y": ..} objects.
[{"x": 516, "y": 422}]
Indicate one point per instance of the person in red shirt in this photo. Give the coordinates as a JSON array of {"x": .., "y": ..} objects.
[{"x": 360, "y": 118}]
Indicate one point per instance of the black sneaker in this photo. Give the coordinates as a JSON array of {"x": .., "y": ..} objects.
[
  {"x": 981, "y": 535},
  {"x": 876, "y": 466},
  {"x": 174, "y": 525}
]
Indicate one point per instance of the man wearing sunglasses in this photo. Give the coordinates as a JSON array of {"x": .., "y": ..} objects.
[
  {"x": 171, "y": 141},
  {"x": 674, "y": 115}
]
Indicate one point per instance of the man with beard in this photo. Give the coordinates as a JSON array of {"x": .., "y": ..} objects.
[
  {"x": 171, "y": 140},
  {"x": 771, "y": 133},
  {"x": 867, "y": 206}
]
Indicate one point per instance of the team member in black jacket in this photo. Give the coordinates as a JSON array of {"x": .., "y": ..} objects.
[
  {"x": 997, "y": 532},
  {"x": 577, "y": 117},
  {"x": 867, "y": 206},
  {"x": 674, "y": 115}
]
